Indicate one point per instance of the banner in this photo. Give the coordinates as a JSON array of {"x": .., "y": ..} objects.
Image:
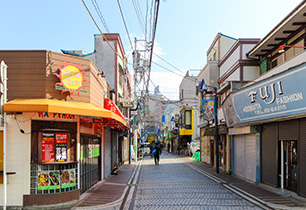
[{"x": 207, "y": 107}]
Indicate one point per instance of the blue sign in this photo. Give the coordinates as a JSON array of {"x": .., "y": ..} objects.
[{"x": 278, "y": 96}]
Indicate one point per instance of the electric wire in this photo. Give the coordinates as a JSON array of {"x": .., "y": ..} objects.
[
  {"x": 156, "y": 9},
  {"x": 126, "y": 29},
  {"x": 97, "y": 8},
  {"x": 139, "y": 15}
]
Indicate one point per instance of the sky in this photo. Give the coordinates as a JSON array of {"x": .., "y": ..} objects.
[{"x": 185, "y": 29}]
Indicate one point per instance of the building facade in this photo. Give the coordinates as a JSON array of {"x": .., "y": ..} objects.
[
  {"x": 55, "y": 127},
  {"x": 273, "y": 105}
]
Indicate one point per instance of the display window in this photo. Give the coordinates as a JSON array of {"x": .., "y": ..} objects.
[{"x": 53, "y": 157}]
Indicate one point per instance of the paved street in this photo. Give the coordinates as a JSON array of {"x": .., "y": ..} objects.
[{"x": 175, "y": 185}]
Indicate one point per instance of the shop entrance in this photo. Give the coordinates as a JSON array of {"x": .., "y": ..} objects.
[
  {"x": 288, "y": 165},
  {"x": 90, "y": 162}
]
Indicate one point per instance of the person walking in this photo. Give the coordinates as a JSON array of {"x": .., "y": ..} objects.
[{"x": 157, "y": 154}]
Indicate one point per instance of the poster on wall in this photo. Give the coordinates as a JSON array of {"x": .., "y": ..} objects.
[
  {"x": 54, "y": 179},
  {"x": 47, "y": 147},
  {"x": 61, "y": 147},
  {"x": 43, "y": 181},
  {"x": 68, "y": 178}
]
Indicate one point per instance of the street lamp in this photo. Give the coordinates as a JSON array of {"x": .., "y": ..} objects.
[
  {"x": 130, "y": 138},
  {"x": 281, "y": 47},
  {"x": 203, "y": 88}
]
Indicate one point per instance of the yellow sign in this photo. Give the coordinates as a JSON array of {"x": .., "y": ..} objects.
[{"x": 72, "y": 79}]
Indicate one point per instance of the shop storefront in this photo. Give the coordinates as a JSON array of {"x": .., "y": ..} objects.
[
  {"x": 275, "y": 108},
  {"x": 56, "y": 127}
]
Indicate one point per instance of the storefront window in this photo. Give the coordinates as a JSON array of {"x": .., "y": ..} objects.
[{"x": 188, "y": 119}]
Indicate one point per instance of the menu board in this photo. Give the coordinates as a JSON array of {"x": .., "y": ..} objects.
[
  {"x": 47, "y": 147},
  {"x": 61, "y": 147},
  {"x": 53, "y": 179}
]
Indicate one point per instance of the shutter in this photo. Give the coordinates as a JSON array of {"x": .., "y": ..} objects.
[
  {"x": 239, "y": 156},
  {"x": 269, "y": 154},
  {"x": 107, "y": 151},
  {"x": 302, "y": 159},
  {"x": 250, "y": 157},
  {"x": 289, "y": 130}
]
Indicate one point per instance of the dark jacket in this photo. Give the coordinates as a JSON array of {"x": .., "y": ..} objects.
[{"x": 158, "y": 150}]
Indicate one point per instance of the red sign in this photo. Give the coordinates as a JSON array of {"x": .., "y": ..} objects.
[
  {"x": 47, "y": 145},
  {"x": 110, "y": 105},
  {"x": 61, "y": 138}
]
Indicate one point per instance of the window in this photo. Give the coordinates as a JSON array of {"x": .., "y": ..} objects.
[
  {"x": 274, "y": 63},
  {"x": 182, "y": 93},
  {"x": 188, "y": 119}
]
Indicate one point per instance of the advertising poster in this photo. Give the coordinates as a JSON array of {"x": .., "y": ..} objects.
[
  {"x": 47, "y": 147},
  {"x": 43, "y": 181},
  {"x": 54, "y": 179},
  {"x": 68, "y": 178},
  {"x": 61, "y": 147},
  {"x": 208, "y": 109}
]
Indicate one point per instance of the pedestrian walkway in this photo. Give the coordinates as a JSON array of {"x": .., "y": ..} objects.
[
  {"x": 272, "y": 197},
  {"x": 110, "y": 193}
]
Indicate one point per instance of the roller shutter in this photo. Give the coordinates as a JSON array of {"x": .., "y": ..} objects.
[
  {"x": 108, "y": 149},
  {"x": 302, "y": 159},
  {"x": 245, "y": 157},
  {"x": 269, "y": 154}
]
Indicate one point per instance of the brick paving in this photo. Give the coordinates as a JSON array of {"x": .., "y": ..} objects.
[
  {"x": 108, "y": 191},
  {"x": 187, "y": 189}
]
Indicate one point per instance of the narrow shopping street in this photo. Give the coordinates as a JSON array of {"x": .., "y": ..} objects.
[{"x": 176, "y": 185}]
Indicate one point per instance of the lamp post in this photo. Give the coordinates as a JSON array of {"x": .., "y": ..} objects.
[
  {"x": 130, "y": 138},
  {"x": 281, "y": 47},
  {"x": 203, "y": 88}
]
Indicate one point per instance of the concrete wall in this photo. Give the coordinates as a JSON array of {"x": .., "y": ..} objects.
[
  {"x": 105, "y": 58},
  {"x": 18, "y": 160}
]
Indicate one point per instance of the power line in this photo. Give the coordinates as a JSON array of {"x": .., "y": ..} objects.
[
  {"x": 94, "y": 2},
  {"x": 138, "y": 14},
  {"x": 156, "y": 8},
  {"x": 104, "y": 37},
  {"x": 126, "y": 29}
]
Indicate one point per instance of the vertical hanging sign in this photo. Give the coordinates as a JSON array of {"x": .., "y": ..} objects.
[
  {"x": 61, "y": 147},
  {"x": 47, "y": 147}
]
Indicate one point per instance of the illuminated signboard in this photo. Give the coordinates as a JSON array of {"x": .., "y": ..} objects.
[{"x": 72, "y": 79}]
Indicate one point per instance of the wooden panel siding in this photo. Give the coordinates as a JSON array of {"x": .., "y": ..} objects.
[
  {"x": 21, "y": 63},
  {"x": 31, "y": 75}
]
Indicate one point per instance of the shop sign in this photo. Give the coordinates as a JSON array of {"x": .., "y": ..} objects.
[
  {"x": 53, "y": 116},
  {"x": 279, "y": 96},
  {"x": 47, "y": 147},
  {"x": 207, "y": 107},
  {"x": 71, "y": 79},
  {"x": 61, "y": 147}
]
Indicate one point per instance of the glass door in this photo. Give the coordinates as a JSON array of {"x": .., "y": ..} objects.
[{"x": 289, "y": 165}]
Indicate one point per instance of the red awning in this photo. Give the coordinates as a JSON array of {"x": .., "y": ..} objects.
[{"x": 117, "y": 120}]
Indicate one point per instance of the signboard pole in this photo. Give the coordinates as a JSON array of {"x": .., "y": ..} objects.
[
  {"x": 130, "y": 138},
  {"x": 216, "y": 129}
]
